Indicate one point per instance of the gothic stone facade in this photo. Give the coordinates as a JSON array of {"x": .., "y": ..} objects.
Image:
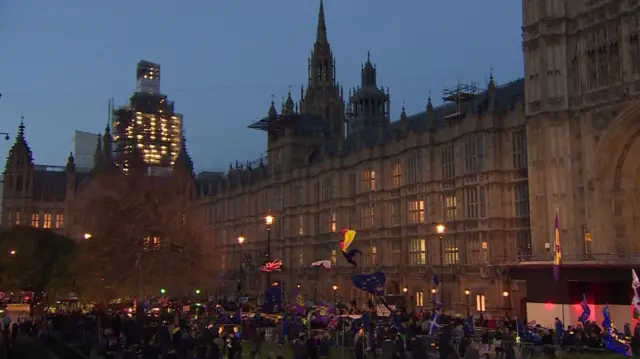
[
  {"x": 582, "y": 64},
  {"x": 57, "y": 198},
  {"x": 463, "y": 165}
]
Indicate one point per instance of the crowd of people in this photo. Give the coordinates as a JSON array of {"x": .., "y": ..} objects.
[{"x": 181, "y": 335}]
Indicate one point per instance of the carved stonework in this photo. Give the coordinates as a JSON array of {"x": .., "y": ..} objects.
[{"x": 600, "y": 121}]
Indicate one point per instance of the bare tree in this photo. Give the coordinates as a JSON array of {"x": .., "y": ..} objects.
[{"x": 140, "y": 240}]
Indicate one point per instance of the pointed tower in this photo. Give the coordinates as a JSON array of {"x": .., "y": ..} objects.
[
  {"x": 18, "y": 180},
  {"x": 369, "y": 106},
  {"x": 491, "y": 93},
  {"x": 322, "y": 97},
  {"x": 70, "y": 178},
  {"x": 107, "y": 148},
  {"x": 183, "y": 161},
  {"x": 98, "y": 155}
]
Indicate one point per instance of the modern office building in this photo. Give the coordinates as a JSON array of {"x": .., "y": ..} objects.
[
  {"x": 148, "y": 125},
  {"x": 84, "y": 148}
]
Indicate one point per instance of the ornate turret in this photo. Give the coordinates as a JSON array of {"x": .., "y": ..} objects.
[
  {"x": 491, "y": 92},
  {"x": 184, "y": 162},
  {"x": 98, "y": 155},
  {"x": 107, "y": 147},
  {"x": 71, "y": 163},
  {"x": 20, "y": 153},
  {"x": 404, "y": 119},
  {"x": 289, "y": 105},
  {"x": 369, "y": 106},
  {"x": 19, "y": 170},
  {"x": 431, "y": 120}
]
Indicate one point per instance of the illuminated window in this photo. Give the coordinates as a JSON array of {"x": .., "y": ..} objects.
[
  {"x": 59, "y": 220},
  {"x": 419, "y": 299},
  {"x": 368, "y": 180},
  {"x": 374, "y": 255},
  {"x": 451, "y": 252},
  {"x": 35, "y": 219},
  {"x": 334, "y": 257},
  {"x": 301, "y": 225},
  {"x": 418, "y": 251},
  {"x": 334, "y": 226},
  {"x": 480, "y": 303},
  {"x": 450, "y": 207},
  {"x": 223, "y": 262},
  {"x": 152, "y": 243},
  {"x": 301, "y": 262},
  {"x": 396, "y": 175},
  {"x": 416, "y": 211},
  {"x": 47, "y": 220}
]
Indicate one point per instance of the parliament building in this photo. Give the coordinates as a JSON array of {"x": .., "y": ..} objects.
[{"x": 492, "y": 166}]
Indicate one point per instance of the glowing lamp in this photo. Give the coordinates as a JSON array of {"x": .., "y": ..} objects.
[
  {"x": 268, "y": 219},
  {"x": 241, "y": 240},
  {"x": 335, "y": 287},
  {"x": 505, "y": 294},
  {"x": 405, "y": 289},
  {"x": 467, "y": 292},
  {"x": 441, "y": 228},
  {"x": 434, "y": 291}
]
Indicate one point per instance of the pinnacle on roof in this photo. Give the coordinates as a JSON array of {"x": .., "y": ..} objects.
[{"x": 321, "y": 34}]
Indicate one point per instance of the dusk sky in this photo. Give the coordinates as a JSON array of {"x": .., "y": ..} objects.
[{"x": 221, "y": 60}]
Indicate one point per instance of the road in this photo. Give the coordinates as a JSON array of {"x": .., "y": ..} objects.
[{"x": 27, "y": 348}]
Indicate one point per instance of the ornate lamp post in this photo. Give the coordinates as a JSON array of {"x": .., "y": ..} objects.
[
  {"x": 467, "y": 293},
  {"x": 505, "y": 295},
  {"x": 268, "y": 220},
  {"x": 405, "y": 290},
  {"x": 335, "y": 289},
  {"x": 441, "y": 228},
  {"x": 434, "y": 291},
  {"x": 241, "y": 240}
]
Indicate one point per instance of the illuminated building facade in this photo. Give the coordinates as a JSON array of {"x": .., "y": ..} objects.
[{"x": 148, "y": 124}]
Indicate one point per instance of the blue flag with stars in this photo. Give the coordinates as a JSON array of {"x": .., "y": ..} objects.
[{"x": 371, "y": 283}]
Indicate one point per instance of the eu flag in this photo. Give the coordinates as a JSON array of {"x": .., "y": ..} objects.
[{"x": 371, "y": 283}]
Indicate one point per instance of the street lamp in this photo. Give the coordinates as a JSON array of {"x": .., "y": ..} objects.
[
  {"x": 405, "y": 290},
  {"x": 505, "y": 294},
  {"x": 440, "y": 228},
  {"x": 335, "y": 289},
  {"x": 467, "y": 292},
  {"x": 241, "y": 240},
  {"x": 12, "y": 252},
  {"x": 87, "y": 236},
  {"x": 268, "y": 220},
  {"x": 433, "y": 297},
  {"x": 163, "y": 291}
]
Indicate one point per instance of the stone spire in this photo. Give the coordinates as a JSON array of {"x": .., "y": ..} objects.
[
  {"x": 20, "y": 152},
  {"x": 321, "y": 34},
  {"x": 98, "y": 155},
  {"x": 184, "y": 160}
]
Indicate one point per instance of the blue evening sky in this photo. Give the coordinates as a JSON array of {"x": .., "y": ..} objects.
[{"x": 223, "y": 59}]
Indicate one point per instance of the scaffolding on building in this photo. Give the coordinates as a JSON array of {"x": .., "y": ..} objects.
[{"x": 459, "y": 95}]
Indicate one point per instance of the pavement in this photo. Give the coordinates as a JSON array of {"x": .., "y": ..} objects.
[{"x": 28, "y": 348}]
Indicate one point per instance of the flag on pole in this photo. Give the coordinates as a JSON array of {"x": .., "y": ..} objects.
[
  {"x": 557, "y": 247},
  {"x": 635, "y": 302}
]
